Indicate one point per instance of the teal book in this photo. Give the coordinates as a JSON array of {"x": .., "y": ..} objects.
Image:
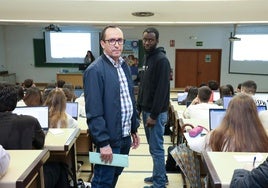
[{"x": 119, "y": 160}]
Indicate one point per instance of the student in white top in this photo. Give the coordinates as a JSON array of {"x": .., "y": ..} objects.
[
  {"x": 199, "y": 108},
  {"x": 240, "y": 130},
  {"x": 249, "y": 87},
  {"x": 81, "y": 105},
  {"x": 58, "y": 118},
  {"x": 4, "y": 161}
]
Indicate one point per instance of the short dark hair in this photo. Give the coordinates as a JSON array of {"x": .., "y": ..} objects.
[
  {"x": 249, "y": 86},
  {"x": 152, "y": 30},
  {"x": 8, "y": 97},
  {"x": 103, "y": 33},
  {"x": 204, "y": 93},
  {"x": 213, "y": 84},
  {"x": 28, "y": 83},
  {"x": 60, "y": 83}
]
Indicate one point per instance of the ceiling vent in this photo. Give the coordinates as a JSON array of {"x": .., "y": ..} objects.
[{"x": 143, "y": 14}]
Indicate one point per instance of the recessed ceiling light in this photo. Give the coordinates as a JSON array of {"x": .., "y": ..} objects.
[{"x": 143, "y": 14}]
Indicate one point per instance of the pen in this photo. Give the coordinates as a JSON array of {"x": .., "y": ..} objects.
[{"x": 254, "y": 160}]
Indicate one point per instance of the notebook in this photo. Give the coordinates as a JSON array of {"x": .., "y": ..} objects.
[
  {"x": 72, "y": 109},
  {"x": 226, "y": 101},
  {"x": 118, "y": 159},
  {"x": 39, "y": 112},
  {"x": 215, "y": 117}
]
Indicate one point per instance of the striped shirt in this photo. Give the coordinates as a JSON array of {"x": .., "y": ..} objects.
[{"x": 126, "y": 102}]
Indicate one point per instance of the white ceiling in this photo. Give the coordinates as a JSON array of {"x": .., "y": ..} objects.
[{"x": 99, "y": 12}]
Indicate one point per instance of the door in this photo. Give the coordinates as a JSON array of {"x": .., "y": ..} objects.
[{"x": 194, "y": 66}]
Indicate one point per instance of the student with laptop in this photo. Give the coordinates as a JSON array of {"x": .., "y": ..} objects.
[
  {"x": 25, "y": 132},
  {"x": 13, "y": 125},
  {"x": 58, "y": 118},
  {"x": 249, "y": 87},
  {"x": 224, "y": 92},
  {"x": 199, "y": 108},
  {"x": 240, "y": 130}
]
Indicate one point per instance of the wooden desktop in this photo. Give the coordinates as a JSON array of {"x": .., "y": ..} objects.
[
  {"x": 220, "y": 166},
  {"x": 25, "y": 169},
  {"x": 62, "y": 146}
]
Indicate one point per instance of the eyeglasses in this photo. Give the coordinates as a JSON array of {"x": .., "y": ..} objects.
[{"x": 114, "y": 41}]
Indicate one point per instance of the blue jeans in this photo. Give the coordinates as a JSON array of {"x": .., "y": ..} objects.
[
  {"x": 155, "y": 139},
  {"x": 106, "y": 176}
]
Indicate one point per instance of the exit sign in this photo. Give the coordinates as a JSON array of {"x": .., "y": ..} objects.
[{"x": 199, "y": 43}]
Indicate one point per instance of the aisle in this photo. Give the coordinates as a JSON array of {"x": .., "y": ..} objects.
[{"x": 140, "y": 166}]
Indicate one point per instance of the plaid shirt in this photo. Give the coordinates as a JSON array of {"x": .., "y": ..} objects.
[{"x": 126, "y": 103}]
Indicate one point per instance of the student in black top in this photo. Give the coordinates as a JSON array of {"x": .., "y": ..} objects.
[
  {"x": 24, "y": 132},
  {"x": 257, "y": 177}
]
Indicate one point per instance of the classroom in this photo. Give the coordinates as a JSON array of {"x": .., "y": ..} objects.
[{"x": 184, "y": 26}]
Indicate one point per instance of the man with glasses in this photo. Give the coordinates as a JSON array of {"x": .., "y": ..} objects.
[
  {"x": 153, "y": 102},
  {"x": 110, "y": 107}
]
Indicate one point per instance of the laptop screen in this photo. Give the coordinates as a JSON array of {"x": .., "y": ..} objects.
[
  {"x": 226, "y": 101},
  {"x": 215, "y": 117},
  {"x": 78, "y": 92},
  {"x": 261, "y": 108},
  {"x": 39, "y": 112},
  {"x": 72, "y": 109}
]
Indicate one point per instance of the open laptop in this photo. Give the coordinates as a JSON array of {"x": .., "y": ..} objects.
[
  {"x": 72, "y": 109},
  {"x": 215, "y": 117},
  {"x": 261, "y": 108},
  {"x": 226, "y": 100},
  {"x": 39, "y": 112}
]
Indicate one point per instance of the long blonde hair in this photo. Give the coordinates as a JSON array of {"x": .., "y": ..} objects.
[
  {"x": 56, "y": 102},
  {"x": 241, "y": 129}
]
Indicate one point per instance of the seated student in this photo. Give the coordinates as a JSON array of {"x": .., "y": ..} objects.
[
  {"x": 81, "y": 105},
  {"x": 25, "y": 132},
  {"x": 191, "y": 95},
  {"x": 214, "y": 86},
  {"x": 231, "y": 89},
  {"x": 224, "y": 91},
  {"x": 250, "y": 87},
  {"x": 58, "y": 118},
  {"x": 199, "y": 108},
  {"x": 12, "y": 125},
  {"x": 71, "y": 94},
  {"x": 238, "y": 88},
  {"x": 257, "y": 177},
  {"x": 4, "y": 161},
  {"x": 60, "y": 83},
  {"x": 182, "y": 96},
  {"x": 20, "y": 91},
  {"x": 33, "y": 97},
  {"x": 70, "y": 97},
  {"x": 240, "y": 130},
  {"x": 28, "y": 83}
]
